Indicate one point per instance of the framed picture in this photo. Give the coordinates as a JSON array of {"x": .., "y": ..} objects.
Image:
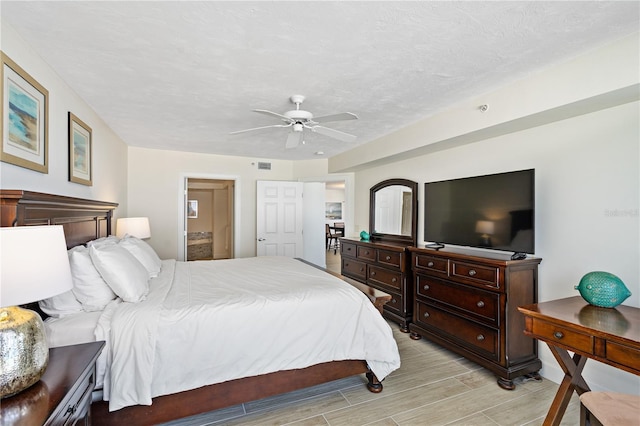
[
  {"x": 79, "y": 151},
  {"x": 24, "y": 110},
  {"x": 192, "y": 209},
  {"x": 333, "y": 211}
]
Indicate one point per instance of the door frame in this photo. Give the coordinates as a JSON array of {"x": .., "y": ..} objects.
[
  {"x": 348, "y": 208},
  {"x": 182, "y": 209}
]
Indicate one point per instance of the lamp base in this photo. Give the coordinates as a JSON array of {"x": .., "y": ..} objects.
[{"x": 24, "y": 353}]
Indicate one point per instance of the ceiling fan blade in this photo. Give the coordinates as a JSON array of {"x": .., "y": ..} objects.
[
  {"x": 332, "y": 133},
  {"x": 261, "y": 128},
  {"x": 273, "y": 114},
  {"x": 335, "y": 117},
  {"x": 294, "y": 139}
]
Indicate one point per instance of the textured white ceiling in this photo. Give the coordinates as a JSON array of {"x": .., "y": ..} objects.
[{"x": 182, "y": 75}]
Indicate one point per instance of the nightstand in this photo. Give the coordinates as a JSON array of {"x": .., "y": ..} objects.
[{"x": 63, "y": 394}]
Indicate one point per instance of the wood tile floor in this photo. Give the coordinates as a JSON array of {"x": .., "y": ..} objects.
[{"x": 432, "y": 387}]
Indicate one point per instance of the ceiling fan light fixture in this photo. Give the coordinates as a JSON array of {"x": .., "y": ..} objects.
[{"x": 298, "y": 127}]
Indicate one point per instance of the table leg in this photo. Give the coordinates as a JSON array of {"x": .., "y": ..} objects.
[{"x": 573, "y": 380}]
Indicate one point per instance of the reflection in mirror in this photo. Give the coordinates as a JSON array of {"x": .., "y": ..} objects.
[{"x": 393, "y": 210}]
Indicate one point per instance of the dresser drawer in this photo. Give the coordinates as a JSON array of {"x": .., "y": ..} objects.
[
  {"x": 367, "y": 253},
  {"x": 347, "y": 249},
  {"x": 623, "y": 355},
  {"x": 470, "y": 300},
  {"x": 389, "y": 258},
  {"x": 77, "y": 405},
  {"x": 471, "y": 273},
  {"x": 354, "y": 268},
  {"x": 556, "y": 334},
  {"x": 473, "y": 336},
  {"x": 384, "y": 277},
  {"x": 431, "y": 264},
  {"x": 395, "y": 304}
]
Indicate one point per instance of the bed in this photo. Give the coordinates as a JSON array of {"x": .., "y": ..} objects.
[{"x": 85, "y": 221}]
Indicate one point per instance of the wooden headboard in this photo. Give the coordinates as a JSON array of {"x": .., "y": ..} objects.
[{"x": 82, "y": 220}]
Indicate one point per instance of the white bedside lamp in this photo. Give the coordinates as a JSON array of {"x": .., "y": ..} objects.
[
  {"x": 33, "y": 266},
  {"x": 134, "y": 226}
]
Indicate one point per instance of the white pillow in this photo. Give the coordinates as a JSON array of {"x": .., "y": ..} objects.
[
  {"x": 89, "y": 288},
  {"x": 61, "y": 305},
  {"x": 126, "y": 276},
  {"x": 111, "y": 239},
  {"x": 144, "y": 253}
]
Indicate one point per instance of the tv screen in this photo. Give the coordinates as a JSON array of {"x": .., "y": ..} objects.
[{"x": 493, "y": 211}]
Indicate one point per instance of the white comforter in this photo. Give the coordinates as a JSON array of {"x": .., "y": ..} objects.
[{"x": 214, "y": 321}]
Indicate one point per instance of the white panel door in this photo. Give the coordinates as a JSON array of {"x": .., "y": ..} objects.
[{"x": 279, "y": 219}]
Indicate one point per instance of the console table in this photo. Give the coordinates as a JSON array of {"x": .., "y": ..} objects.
[
  {"x": 609, "y": 335},
  {"x": 63, "y": 394}
]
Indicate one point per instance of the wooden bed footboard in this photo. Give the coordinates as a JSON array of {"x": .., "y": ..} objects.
[{"x": 214, "y": 397}]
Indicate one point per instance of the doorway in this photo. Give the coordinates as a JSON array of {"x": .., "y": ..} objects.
[{"x": 209, "y": 219}]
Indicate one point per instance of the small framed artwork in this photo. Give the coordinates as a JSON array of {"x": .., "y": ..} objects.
[
  {"x": 24, "y": 110},
  {"x": 79, "y": 151},
  {"x": 192, "y": 209},
  {"x": 333, "y": 211}
]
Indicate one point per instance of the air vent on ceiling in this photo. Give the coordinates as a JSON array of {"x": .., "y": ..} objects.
[{"x": 264, "y": 166}]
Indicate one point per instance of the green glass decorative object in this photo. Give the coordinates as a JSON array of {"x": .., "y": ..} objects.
[
  {"x": 364, "y": 236},
  {"x": 603, "y": 289}
]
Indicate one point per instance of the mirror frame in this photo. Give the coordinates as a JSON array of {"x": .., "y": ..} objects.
[{"x": 409, "y": 239}]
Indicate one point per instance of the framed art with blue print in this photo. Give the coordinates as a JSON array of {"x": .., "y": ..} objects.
[{"x": 24, "y": 110}]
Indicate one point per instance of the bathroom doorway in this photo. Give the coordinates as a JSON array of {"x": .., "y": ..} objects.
[{"x": 209, "y": 219}]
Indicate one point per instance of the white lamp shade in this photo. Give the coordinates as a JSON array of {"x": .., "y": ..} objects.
[
  {"x": 485, "y": 227},
  {"x": 134, "y": 226},
  {"x": 33, "y": 264}
]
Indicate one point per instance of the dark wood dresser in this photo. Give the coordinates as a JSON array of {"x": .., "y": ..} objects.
[
  {"x": 469, "y": 304},
  {"x": 384, "y": 266}
]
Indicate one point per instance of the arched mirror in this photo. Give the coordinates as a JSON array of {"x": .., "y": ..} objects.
[{"x": 393, "y": 211}]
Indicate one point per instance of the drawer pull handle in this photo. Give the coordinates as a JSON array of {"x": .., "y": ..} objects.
[
  {"x": 393, "y": 280},
  {"x": 430, "y": 264},
  {"x": 361, "y": 269},
  {"x": 480, "y": 304},
  {"x": 71, "y": 409},
  {"x": 366, "y": 252},
  {"x": 558, "y": 334},
  {"x": 480, "y": 338},
  {"x": 393, "y": 300},
  {"x": 472, "y": 272},
  {"x": 388, "y": 258},
  {"x": 349, "y": 249},
  {"x": 373, "y": 273},
  {"x": 426, "y": 314},
  {"x": 426, "y": 287}
]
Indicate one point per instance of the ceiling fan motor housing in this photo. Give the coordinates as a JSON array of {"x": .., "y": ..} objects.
[{"x": 299, "y": 115}]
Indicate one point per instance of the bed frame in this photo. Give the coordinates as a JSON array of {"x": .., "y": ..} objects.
[{"x": 84, "y": 220}]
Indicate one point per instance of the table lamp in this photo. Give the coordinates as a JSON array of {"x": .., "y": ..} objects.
[
  {"x": 134, "y": 226},
  {"x": 33, "y": 266}
]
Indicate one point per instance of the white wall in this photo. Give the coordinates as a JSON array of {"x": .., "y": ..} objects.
[
  {"x": 154, "y": 182},
  {"x": 109, "y": 151}
]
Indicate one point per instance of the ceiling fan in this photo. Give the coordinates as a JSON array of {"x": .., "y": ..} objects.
[{"x": 299, "y": 120}]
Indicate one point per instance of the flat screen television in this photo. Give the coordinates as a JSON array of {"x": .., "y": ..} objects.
[{"x": 493, "y": 211}]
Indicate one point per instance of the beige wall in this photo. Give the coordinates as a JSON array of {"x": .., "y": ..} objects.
[
  {"x": 109, "y": 151},
  {"x": 154, "y": 183}
]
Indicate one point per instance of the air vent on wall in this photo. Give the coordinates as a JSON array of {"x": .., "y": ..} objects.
[{"x": 264, "y": 166}]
